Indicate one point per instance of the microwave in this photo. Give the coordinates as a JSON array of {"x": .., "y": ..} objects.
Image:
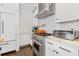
[{"x": 72, "y": 35}]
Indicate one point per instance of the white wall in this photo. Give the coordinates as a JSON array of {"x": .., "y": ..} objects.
[
  {"x": 26, "y": 17},
  {"x": 50, "y": 23},
  {"x": 63, "y": 26},
  {"x": 25, "y": 23}
]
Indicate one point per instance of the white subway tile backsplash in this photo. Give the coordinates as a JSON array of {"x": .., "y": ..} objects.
[{"x": 69, "y": 25}]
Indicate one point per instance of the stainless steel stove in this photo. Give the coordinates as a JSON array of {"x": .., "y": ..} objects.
[
  {"x": 38, "y": 38},
  {"x": 38, "y": 45}
]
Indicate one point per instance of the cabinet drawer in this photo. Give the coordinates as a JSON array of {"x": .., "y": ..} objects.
[
  {"x": 50, "y": 48},
  {"x": 9, "y": 8},
  {"x": 68, "y": 50},
  {"x": 7, "y": 47}
]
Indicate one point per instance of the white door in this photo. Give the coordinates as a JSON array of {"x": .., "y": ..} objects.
[{"x": 8, "y": 26}]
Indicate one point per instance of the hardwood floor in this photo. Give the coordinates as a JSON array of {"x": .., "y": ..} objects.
[{"x": 24, "y": 51}]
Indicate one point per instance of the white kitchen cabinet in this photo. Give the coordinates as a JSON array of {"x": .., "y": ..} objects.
[
  {"x": 9, "y": 16},
  {"x": 9, "y": 8},
  {"x": 8, "y": 32},
  {"x": 66, "y": 49},
  {"x": 50, "y": 48},
  {"x": 8, "y": 26},
  {"x": 66, "y": 12},
  {"x": 60, "y": 48},
  {"x": 59, "y": 11},
  {"x": 7, "y": 46}
]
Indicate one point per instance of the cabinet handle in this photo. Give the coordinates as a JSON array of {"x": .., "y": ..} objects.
[
  {"x": 57, "y": 52},
  {"x": 64, "y": 49},
  {"x": 2, "y": 26},
  {"x": 50, "y": 43},
  {"x": 0, "y": 48}
]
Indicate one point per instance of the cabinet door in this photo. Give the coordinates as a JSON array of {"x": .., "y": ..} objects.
[
  {"x": 47, "y": 51},
  {"x": 59, "y": 11},
  {"x": 66, "y": 49},
  {"x": 50, "y": 48},
  {"x": 8, "y": 26},
  {"x": 9, "y": 7},
  {"x": 63, "y": 11},
  {"x": 8, "y": 46},
  {"x": 67, "y": 11}
]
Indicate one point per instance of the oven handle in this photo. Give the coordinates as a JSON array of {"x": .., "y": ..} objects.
[
  {"x": 37, "y": 42},
  {"x": 50, "y": 43}
]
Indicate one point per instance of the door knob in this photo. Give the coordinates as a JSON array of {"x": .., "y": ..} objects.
[
  {"x": 57, "y": 52},
  {"x": 53, "y": 50}
]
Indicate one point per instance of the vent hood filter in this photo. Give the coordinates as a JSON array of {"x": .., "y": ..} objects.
[{"x": 43, "y": 14}]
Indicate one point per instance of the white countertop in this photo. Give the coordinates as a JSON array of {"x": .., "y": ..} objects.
[{"x": 73, "y": 42}]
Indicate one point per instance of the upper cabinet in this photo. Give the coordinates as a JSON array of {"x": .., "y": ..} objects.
[
  {"x": 9, "y": 8},
  {"x": 43, "y": 10},
  {"x": 66, "y": 12}
]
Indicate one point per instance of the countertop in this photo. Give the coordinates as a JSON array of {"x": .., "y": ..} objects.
[
  {"x": 73, "y": 42},
  {"x": 1, "y": 39}
]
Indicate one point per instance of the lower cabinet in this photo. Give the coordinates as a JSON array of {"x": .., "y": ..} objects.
[
  {"x": 53, "y": 48},
  {"x": 66, "y": 49},
  {"x": 7, "y": 47},
  {"x": 50, "y": 48}
]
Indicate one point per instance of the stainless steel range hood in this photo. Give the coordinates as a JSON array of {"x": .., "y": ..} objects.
[
  {"x": 43, "y": 14},
  {"x": 46, "y": 12}
]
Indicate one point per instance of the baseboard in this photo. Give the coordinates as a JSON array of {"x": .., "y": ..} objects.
[{"x": 29, "y": 45}]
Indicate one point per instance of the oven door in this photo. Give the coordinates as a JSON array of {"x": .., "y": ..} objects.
[{"x": 36, "y": 46}]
